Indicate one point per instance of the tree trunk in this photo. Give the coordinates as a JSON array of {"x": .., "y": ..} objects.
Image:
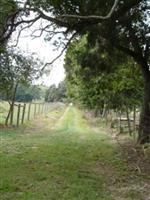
[
  {"x": 119, "y": 122},
  {"x": 8, "y": 115},
  {"x": 142, "y": 59},
  {"x": 128, "y": 120},
  {"x": 11, "y": 109},
  {"x": 134, "y": 122},
  {"x": 144, "y": 126},
  {"x": 134, "y": 118}
]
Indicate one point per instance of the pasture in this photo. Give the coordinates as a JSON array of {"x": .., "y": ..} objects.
[{"x": 67, "y": 157}]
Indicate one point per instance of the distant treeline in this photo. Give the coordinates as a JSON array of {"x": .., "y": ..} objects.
[
  {"x": 55, "y": 94},
  {"x": 29, "y": 93}
]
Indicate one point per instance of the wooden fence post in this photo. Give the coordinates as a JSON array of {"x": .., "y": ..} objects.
[
  {"x": 23, "y": 113},
  {"x": 45, "y": 108},
  {"x": 39, "y": 109},
  {"x": 42, "y": 108},
  {"x": 29, "y": 109},
  {"x": 34, "y": 110},
  {"x": 18, "y": 115},
  {"x": 49, "y": 106},
  {"x": 12, "y": 114}
]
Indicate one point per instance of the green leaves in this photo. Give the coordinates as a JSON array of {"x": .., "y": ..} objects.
[
  {"x": 7, "y": 17},
  {"x": 54, "y": 94},
  {"x": 94, "y": 78},
  {"x": 15, "y": 69}
]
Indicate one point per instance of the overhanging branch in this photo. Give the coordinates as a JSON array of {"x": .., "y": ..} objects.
[
  {"x": 61, "y": 53},
  {"x": 93, "y": 16}
]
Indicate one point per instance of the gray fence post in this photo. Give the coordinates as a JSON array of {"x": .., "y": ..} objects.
[
  {"x": 23, "y": 113},
  {"x": 34, "y": 110},
  {"x": 29, "y": 109},
  {"x": 18, "y": 115}
]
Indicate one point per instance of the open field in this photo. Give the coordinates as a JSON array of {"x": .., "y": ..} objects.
[{"x": 64, "y": 157}]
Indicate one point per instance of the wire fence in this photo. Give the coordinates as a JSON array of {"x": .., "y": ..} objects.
[{"x": 22, "y": 112}]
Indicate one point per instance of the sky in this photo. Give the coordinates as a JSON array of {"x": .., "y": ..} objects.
[{"x": 45, "y": 52}]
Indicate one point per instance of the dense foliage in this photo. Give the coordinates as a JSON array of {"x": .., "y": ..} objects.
[
  {"x": 8, "y": 16},
  {"x": 15, "y": 69},
  {"x": 100, "y": 82},
  {"x": 125, "y": 31},
  {"x": 56, "y": 94},
  {"x": 28, "y": 93}
]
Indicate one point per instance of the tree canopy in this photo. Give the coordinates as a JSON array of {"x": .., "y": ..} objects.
[
  {"x": 29, "y": 92},
  {"x": 8, "y": 13},
  {"x": 110, "y": 25},
  {"x": 16, "y": 69},
  {"x": 56, "y": 94},
  {"x": 97, "y": 81}
]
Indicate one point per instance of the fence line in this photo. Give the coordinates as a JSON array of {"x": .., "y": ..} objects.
[{"x": 22, "y": 112}]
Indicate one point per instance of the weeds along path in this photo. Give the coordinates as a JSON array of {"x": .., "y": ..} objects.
[{"x": 65, "y": 161}]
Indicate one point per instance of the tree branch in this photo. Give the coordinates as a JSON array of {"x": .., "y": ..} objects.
[
  {"x": 93, "y": 16},
  {"x": 22, "y": 29},
  {"x": 27, "y": 21},
  {"x": 49, "y": 18},
  {"x": 61, "y": 53}
]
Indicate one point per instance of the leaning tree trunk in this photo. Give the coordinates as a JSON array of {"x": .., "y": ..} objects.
[
  {"x": 11, "y": 108},
  {"x": 144, "y": 126},
  {"x": 128, "y": 121}
]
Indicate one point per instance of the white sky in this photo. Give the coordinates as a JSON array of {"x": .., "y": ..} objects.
[{"x": 45, "y": 52}]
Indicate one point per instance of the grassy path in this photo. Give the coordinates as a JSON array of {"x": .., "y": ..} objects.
[{"x": 68, "y": 161}]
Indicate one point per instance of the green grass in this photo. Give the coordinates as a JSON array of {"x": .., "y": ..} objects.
[
  {"x": 65, "y": 161},
  {"x": 4, "y": 107}
]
